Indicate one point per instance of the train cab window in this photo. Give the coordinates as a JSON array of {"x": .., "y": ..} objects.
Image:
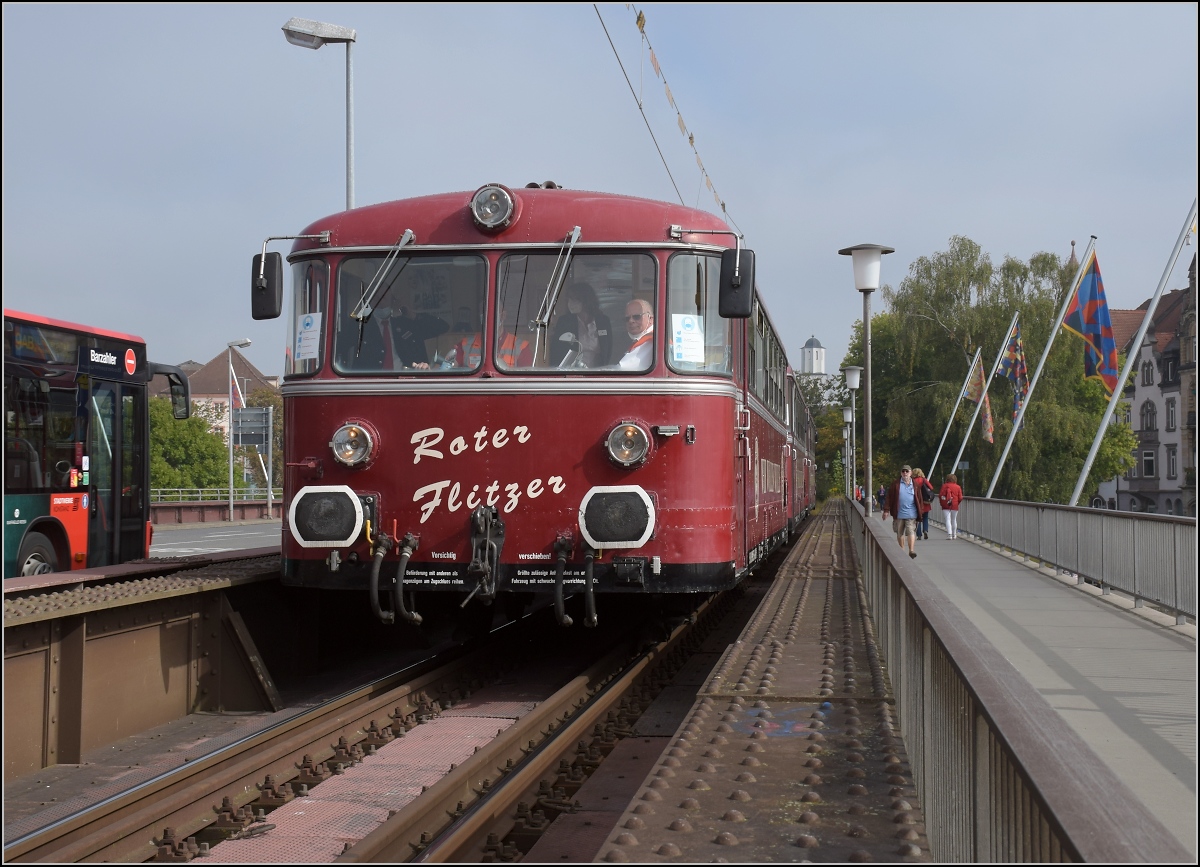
[
  {"x": 426, "y": 315},
  {"x": 306, "y": 346},
  {"x": 698, "y": 338},
  {"x": 599, "y": 317}
]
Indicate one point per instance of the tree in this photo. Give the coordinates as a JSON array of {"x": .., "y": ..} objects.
[
  {"x": 269, "y": 397},
  {"x": 185, "y": 454},
  {"x": 949, "y": 304}
]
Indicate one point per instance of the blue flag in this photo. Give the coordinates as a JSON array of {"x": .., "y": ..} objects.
[{"x": 1088, "y": 317}]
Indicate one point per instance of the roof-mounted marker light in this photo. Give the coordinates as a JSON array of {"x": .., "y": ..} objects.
[{"x": 493, "y": 207}]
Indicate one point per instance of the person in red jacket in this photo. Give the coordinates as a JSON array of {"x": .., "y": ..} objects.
[
  {"x": 925, "y": 496},
  {"x": 950, "y": 496}
]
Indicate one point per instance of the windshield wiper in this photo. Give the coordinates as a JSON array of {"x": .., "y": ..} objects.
[
  {"x": 550, "y": 299},
  {"x": 364, "y": 309}
]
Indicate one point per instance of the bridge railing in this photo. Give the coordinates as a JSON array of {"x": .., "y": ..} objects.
[
  {"x": 1150, "y": 557},
  {"x": 1001, "y": 775},
  {"x": 200, "y": 495}
]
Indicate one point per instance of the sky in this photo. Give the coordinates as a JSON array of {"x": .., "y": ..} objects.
[{"x": 149, "y": 149}]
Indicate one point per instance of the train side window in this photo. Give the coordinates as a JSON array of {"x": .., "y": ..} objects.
[
  {"x": 306, "y": 342},
  {"x": 699, "y": 339}
]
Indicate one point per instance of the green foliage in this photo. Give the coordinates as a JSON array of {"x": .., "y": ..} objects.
[
  {"x": 185, "y": 454},
  {"x": 950, "y": 304},
  {"x": 269, "y": 397}
]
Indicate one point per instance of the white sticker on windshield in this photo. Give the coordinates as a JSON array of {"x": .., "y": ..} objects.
[
  {"x": 687, "y": 337},
  {"x": 308, "y": 335}
]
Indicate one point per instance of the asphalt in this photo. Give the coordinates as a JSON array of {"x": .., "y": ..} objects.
[{"x": 1123, "y": 677}]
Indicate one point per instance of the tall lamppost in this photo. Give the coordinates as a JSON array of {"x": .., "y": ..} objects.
[
  {"x": 846, "y": 460},
  {"x": 866, "y": 258},
  {"x": 852, "y": 373},
  {"x": 314, "y": 34},
  {"x": 240, "y": 344}
]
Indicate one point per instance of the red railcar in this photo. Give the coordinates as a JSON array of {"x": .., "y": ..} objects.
[{"x": 533, "y": 390}]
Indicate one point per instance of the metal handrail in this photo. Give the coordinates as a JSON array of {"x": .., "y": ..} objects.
[
  {"x": 1149, "y": 557},
  {"x": 1000, "y": 773},
  {"x": 203, "y": 495}
]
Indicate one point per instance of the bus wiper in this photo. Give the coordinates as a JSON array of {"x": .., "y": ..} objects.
[
  {"x": 364, "y": 309},
  {"x": 550, "y": 299}
]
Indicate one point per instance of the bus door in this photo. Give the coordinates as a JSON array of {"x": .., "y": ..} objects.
[
  {"x": 103, "y": 454},
  {"x": 116, "y": 473},
  {"x": 133, "y": 496}
]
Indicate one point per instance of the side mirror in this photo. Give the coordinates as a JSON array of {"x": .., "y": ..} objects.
[
  {"x": 181, "y": 391},
  {"x": 737, "y": 284},
  {"x": 266, "y": 286}
]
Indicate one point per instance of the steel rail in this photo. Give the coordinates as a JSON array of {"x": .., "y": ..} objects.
[
  {"x": 121, "y": 828},
  {"x": 437, "y": 828}
]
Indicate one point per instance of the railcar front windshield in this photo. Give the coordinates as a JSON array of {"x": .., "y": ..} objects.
[
  {"x": 427, "y": 314},
  {"x": 598, "y": 317}
]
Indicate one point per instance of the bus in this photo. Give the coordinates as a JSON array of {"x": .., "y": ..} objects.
[{"x": 76, "y": 444}]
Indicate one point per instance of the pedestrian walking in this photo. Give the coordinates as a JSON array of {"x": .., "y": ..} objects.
[
  {"x": 950, "y": 496},
  {"x": 902, "y": 503},
  {"x": 926, "y": 496}
]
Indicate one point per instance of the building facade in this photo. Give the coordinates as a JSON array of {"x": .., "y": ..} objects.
[{"x": 1155, "y": 403}]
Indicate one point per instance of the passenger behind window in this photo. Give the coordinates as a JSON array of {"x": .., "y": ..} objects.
[
  {"x": 582, "y": 328},
  {"x": 639, "y": 325},
  {"x": 409, "y": 330}
]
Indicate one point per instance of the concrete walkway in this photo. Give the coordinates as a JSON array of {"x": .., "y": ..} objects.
[{"x": 1124, "y": 679}]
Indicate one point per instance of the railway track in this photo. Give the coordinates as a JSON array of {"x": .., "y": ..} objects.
[{"x": 498, "y": 754}]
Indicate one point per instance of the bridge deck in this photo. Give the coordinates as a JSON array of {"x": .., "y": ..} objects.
[{"x": 1123, "y": 678}]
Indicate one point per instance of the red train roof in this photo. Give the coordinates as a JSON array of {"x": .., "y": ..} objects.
[
  {"x": 72, "y": 326},
  {"x": 543, "y": 217}
]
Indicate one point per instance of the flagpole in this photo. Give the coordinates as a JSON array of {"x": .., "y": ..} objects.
[
  {"x": 953, "y": 412},
  {"x": 1131, "y": 359},
  {"x": 1041, "y": 363},
  {"x": 986, "y": 383}
]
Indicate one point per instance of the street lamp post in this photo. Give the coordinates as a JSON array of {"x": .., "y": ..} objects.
[
  {"x": 314, "y": 34},
  {"x": 851, "y": 373},
  {"x": 241, "y": 344},
  {"x": 848, "y": 419},
  {"x": 846, "y": 461},
  {"x": 866, "y": 258}
]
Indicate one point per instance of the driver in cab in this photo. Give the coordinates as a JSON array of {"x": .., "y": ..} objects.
[{"x": 639, "y": 325}]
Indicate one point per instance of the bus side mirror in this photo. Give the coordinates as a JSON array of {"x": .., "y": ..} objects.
[
  {"x": 737, "y": 284},
  {"x": 181, "y": 391},
  {"x": 266, "y": 287}
]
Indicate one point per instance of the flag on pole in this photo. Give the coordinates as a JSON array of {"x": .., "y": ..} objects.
[
  {"x": 1012, "y": 367},
  {"x": 977, "y": 387},
  {"x": 1087, "y": 317}
]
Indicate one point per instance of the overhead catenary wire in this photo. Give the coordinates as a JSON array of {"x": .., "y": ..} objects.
[
  {"x": 639, "y": 104},
  {"x": 705, "y": 178}
]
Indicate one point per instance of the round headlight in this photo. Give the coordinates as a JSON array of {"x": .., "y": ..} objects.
[
  {"x": 628, "y": 444},
  {"x": 352, "y": 444},
  {"x": 492, "y": 207}
]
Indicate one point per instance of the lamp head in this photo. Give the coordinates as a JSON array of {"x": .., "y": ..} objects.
[
  {"x": 847, "y": 414},
  {"x": 866, "y": 264},
  {"x": 314, "y": 34},
  {"x": 240, "y": 344},
  {"x": 852, "y": 374}
]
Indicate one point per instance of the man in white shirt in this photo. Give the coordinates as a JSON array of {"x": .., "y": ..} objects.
[{"x": 639, "y": 324}]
